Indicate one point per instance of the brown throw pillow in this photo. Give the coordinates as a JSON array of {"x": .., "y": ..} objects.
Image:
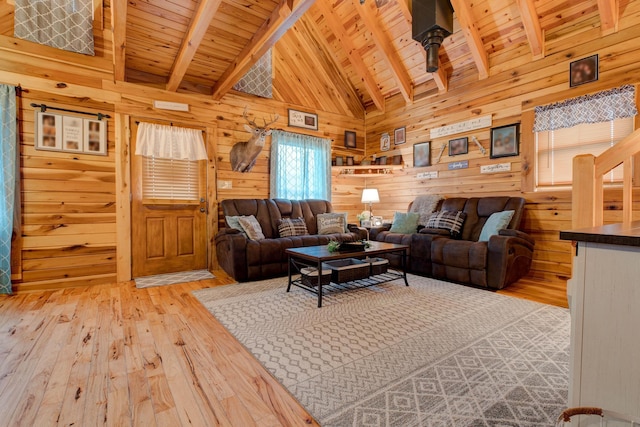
[
  {"x": 251, "y": 227},
  {"x": 288, "y": 227}
]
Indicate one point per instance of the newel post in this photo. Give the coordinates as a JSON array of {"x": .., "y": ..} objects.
[{"x": 584, "y": 194}]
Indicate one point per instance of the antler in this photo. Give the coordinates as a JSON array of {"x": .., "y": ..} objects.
[
  {"x": 245, "y": 115},
  {"x": 271, "y": 122}
]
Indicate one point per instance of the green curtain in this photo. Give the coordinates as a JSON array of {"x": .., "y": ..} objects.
[
  {"x": 7, "y": 189},
  {"x": 300, "y": 166}
]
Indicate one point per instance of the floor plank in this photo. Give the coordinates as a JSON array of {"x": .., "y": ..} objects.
[{"x": 116, "y": 355}]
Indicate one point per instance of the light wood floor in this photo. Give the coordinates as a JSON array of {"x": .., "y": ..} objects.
[{"x": 118, "y": 356}]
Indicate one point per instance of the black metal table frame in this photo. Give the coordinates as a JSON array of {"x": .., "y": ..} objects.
[{"x": 296, "y": 260}]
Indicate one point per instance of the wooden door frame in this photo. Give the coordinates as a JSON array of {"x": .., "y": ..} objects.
[{"x": 124, "y": 194}]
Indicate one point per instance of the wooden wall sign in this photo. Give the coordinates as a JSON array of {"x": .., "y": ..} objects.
[
  {"x": 467, "y": 125},
  {"x": 498, "y": 167},
  {"x": 464, "y": 164}
]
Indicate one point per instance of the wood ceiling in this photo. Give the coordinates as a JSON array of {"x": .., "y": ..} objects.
[{"x": 333, "y": 55}]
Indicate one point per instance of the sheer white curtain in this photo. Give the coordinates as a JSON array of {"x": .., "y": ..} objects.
[
  {"x": 300, "y": 166},
  {"x": 63, "y": 24},
  {"x": 8, "y": 143},
  {"x": 170, "y": 142}
]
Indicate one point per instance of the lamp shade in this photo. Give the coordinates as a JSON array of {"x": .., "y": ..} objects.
[{"x": 370, "y": 195}]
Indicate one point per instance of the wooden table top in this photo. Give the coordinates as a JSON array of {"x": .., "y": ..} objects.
[{"x": 321, "y": 252}]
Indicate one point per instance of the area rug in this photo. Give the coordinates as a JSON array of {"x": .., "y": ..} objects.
[
  {"x": 431, "y": 354},
  {"x": 172, "y": 278}
]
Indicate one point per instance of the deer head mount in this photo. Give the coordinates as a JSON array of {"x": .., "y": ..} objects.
[{"x": 243, "y": 154}]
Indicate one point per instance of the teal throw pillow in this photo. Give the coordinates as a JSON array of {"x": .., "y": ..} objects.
[
  {"x": 405, "y": 223},
  {"x": 496, "y": 222}
]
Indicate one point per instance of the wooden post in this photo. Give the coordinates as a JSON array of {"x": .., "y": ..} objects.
[
  {"x": 584, "y": 192},
  {"x": 627, "y": 190}
]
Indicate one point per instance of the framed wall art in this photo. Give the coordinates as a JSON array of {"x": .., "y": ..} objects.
[
  {"x": 505, "y": 141},
  {"x": 48, "y": 131},
  {"x": 399, "y": 136},
  {"x": 458, "y": 146},
  {"x": 583, "y": 71},
  {"x": 95, "y": 137},
  {"x": 349, "y": 139},
  {"x": 72, "y": 134},
  {"x": 422, "y": 154},
  {"x": 300, "y": 119},
  {"x": 385, "y": 142}
]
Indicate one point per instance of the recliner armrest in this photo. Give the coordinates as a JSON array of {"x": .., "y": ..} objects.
[
  {"x": 517, "y": 233},
  {"x": 509, "y": 257},
  {"x": 360, "y": 233},
  {"x": 374, "y": 231},
  {"x": 435, "y": 231}
]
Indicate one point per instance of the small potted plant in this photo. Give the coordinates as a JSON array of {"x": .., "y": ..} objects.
[{"x": 364, "y": 216}]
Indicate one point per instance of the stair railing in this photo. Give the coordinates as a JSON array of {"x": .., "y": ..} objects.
[{"x": 588, "y": 184}]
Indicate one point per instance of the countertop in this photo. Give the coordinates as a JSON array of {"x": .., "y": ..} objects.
[{"x": 613, "y": 234}]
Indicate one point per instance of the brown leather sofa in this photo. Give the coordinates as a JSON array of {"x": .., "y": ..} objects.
[
  {"x": 245, "y": 259},
  {"x": 494, "y": 264}
]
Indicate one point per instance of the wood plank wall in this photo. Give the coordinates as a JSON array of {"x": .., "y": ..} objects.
[
  {"x": 57, "y": 220},
  {"x": 68, "y": 203},
  {"x": 505, "y": 95},
  {"x": 70, "y": 221}
]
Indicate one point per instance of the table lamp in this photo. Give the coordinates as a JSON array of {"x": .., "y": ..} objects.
[{"x": 370, "y": 195}]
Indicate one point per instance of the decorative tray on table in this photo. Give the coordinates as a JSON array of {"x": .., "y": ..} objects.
[{"x": 353, "y": 246}]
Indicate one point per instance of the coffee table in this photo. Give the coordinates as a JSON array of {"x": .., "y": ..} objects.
[{"x": 315, "y": 256}]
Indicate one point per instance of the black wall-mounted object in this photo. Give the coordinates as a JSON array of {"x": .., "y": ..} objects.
[{"x": 432, "y": 23}]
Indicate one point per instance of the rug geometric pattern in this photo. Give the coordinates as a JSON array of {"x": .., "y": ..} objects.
[
  {"x": 172, "y": 278},
  {"x": 431, "y": 354}
]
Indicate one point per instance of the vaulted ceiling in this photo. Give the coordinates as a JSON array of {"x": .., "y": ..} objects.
[{"x": 344, "y": 56}]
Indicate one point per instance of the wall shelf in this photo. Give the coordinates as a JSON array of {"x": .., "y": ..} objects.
[{"x": 366, "y": 170}]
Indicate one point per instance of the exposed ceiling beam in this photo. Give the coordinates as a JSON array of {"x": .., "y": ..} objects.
[
  {"x": 321, "y": 56},
  {"x": 405, "y": 8},
  {"x": 608, "y": 16},
  {"x": 334, "y": 23},
  {"x": 196, "y": 32},
  {"x": 532, "y": 27},
  {"x": 281, "y": 19},
  {"x": 386, "y": 49},
  {"x": 119, "y": 37},
  {"x": 472, "y": 36},
  {"x": 440, "y": 77}
]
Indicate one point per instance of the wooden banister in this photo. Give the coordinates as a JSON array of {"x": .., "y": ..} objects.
[{"x": 588, "y": 184}]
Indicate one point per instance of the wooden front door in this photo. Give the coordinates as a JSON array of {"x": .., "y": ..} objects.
[{"x": 168, "y": 226}]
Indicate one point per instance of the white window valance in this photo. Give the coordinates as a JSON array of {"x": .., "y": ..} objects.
[
  {"x": 170, "y": 142},
  {"x": 603, "y": 106}
]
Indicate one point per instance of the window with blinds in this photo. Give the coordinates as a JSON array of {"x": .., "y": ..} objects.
[
  {"x": 170, "y": 179},
  {"x": 556, "y": 149}
]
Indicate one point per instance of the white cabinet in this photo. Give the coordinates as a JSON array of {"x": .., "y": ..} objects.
[{"x": 604, "y": 299}]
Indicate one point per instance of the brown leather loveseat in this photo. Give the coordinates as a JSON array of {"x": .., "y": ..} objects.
[
  {"x": 246, "y": 259},
  {"x": 495, "y": 263}
]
